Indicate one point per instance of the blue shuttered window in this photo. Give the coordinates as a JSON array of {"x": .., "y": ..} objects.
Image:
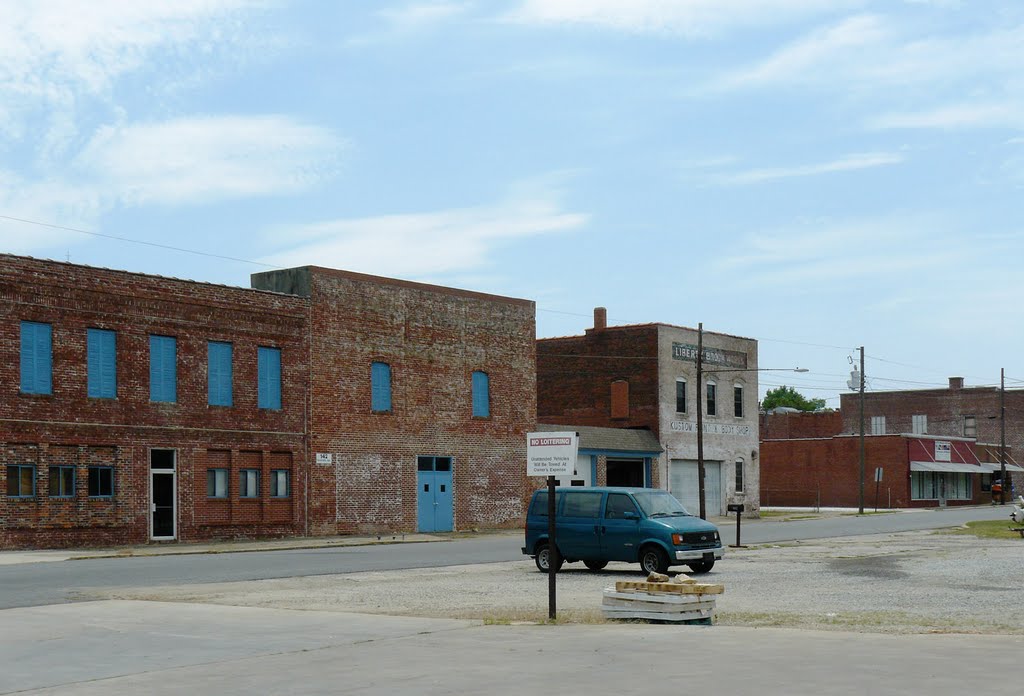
[
  {"x": 101, "y": 346},
  {"x": 163, "y": 368},
  {"x": 380, "y": 387},
  {"x": 268, "y": 363},
  {"x": 219, "y": 379},
  {"x": 481, "y": 395},
  {"x": 36, "y": 358}
]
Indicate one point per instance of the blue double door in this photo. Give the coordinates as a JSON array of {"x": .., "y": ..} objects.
[{"x": 434, "y": 501}]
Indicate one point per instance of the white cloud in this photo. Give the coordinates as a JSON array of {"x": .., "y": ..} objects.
[
  {"x": 192, "y": 160},
  {"x": 408, "y": 20},
  {"x": 56, "y": 56},
  {"x": 865, "y": 160},
  {"x": 421, "y": 244},
  {"x": 955, "y": 116},
  {"x": 691, "y": 18},
  {"x": 873, "y": 53}
]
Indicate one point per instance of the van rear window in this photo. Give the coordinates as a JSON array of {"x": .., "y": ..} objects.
[{"x": 582, "y": 504}]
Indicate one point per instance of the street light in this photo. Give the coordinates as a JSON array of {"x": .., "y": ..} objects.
[{"x": 701, "y": 398}]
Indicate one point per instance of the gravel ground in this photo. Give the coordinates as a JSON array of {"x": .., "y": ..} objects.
[{"x": 912, "y": 582}]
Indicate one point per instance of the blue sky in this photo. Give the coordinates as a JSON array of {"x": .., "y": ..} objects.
[{"x": 816, "y": 174}]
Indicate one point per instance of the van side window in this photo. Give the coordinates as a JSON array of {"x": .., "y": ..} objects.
[
  {"x": 582, "y": 504},
  {"x": 540, "y": 504},
  {"x": 617, "y": 505}
]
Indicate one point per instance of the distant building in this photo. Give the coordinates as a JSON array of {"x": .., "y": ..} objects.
[{"x": 644, "y": 377}]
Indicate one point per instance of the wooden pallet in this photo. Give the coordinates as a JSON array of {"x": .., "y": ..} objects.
[
  {"x": 674, "y": 607},
  {"x": 668, "y": 587}
]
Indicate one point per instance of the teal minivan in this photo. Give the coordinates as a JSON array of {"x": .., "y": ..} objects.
[{"x": 637, "y": 525}]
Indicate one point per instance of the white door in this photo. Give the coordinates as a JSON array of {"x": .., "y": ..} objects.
[
  {"x": 683, "y": 485},
  {"x": 581, "y": 477}
]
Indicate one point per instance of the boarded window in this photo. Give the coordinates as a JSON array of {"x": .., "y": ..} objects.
[
  {"x": 481, "y": 395},
  {"x": 620, "y": 399},
  {"x": 268, "y": 376},
  {"x": 163, "y": 368},
  {"x": 219, "y": 373},
  {"x": 380, "y": 387},
  {"x": 36, "y": 358},
  {"x": 101, "y": 346}
]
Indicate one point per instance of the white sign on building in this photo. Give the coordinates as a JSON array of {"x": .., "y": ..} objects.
[
  {"x": 551, "y": 454},
  {"x": 324, "y": 458}
]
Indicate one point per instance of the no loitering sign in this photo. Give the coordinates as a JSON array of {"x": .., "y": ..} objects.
[{"x": 551, "y": 454}]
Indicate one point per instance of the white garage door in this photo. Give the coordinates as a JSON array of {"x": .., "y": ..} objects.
[
  {"x": 581, "y": 477},
  {"x": 683, "y": 485}
]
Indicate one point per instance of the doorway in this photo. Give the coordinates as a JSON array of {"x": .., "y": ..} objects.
[
  {"x": 625, "y": 472},
  {"x": 163, "y": 500},
  {"x": 434, "y": 501}
]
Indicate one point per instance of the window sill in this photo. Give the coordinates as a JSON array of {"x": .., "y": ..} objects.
[
  {"x": 101, "y": 497},
  {"x": 217, "y": 499},
  {"x": 382, "y": 413},
  {"x": 482, "y": 418},
  {"x": 36, "y": 395},
  {"x": 102, "y": 398}
]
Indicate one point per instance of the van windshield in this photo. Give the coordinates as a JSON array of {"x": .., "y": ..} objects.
[{"x": 660, "y": 504}]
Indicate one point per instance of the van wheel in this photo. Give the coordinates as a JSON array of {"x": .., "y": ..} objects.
[
  {"x": 701, "y": 566},
  {"x": 543, "y": 558},
  {"x": 595, "y": 565},
  {"x": 653, "y": 560}
]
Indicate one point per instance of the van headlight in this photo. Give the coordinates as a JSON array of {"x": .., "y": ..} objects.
[{"x": 677, "y": 539}]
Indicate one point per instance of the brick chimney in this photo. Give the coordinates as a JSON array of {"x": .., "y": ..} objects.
[
  {"x": 956, "y": 383},
  {"x": 600, "y": 318}
]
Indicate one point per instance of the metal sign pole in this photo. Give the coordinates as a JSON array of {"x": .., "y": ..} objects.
[{"x": 552, "y": 549}]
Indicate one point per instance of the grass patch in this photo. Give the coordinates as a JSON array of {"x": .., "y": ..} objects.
[{"x": 986, "y": 529}]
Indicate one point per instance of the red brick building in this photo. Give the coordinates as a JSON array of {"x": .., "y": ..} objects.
[
  {"x": 137, "y": 408},
  {"x": 644, "y": 377},
  {"x": 421, "y": 398},
  {"x": 133, "y": 406},
  {"x": 956, "y": 411},
  {"x": 916, "y": 471}
]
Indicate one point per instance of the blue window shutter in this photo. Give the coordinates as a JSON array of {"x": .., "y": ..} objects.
[
  {"x": 380, "y": 386},
  {"x": 481, "y": 395},
  {"x": 219, "y": 373},
  {"x": 102, "y": 365},
  {"x": 269, "y": 377},
  {"x": 36, "y": 358},
  {"x": 163, "y": 368}
]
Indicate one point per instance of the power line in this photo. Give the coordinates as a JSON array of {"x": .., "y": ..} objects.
[{"x": 138, "y": 241}]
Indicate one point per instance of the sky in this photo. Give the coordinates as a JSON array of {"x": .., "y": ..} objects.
[{"x": 816, "y": 174}]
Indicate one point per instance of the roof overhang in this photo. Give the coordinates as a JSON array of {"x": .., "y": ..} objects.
[{"x": 956, "y": 467}]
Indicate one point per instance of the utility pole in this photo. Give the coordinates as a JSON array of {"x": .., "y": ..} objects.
[
  {"x": 1002, "y": 436},
  {"x": 860, "y": 511},
  {"x": 700, "y": 420}
]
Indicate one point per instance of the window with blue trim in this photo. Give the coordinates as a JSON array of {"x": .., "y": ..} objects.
[
  {"x": 163, "y": 368},
  {"x": 481, "y": 395},
  {"x": 21, "y": 480},
  {"x": 380, "y": 387},
  {"x": 219, "y": 373},
  {"x": 36, "y": 358},
  {"x": 280, "y": 483},
  {"x": 101, "y": 361},
  {"x": 269, "y": 376},
  {"x": 62, "y": 482},
  {"x": 101, "y": 481},
  {"x": 249, "y": 483}
]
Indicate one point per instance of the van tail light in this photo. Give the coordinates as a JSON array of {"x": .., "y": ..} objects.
[{"x": 677, "y": 539}]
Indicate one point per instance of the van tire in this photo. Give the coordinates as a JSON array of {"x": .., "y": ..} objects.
[
  {"x": 595, "y": 565},
  {"x": 543, "y": 558},
  {"x": 701, "y": 566},
  {"x": 653, "y": 560}
]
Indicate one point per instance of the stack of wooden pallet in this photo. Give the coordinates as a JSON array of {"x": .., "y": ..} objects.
[{"x": 681, "y": 600}]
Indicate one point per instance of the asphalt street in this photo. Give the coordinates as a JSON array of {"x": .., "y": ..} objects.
[{"x": 50, "y": 583}]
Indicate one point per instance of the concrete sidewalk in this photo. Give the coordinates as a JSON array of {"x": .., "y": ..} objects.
[{"x": 238, "y": 546}]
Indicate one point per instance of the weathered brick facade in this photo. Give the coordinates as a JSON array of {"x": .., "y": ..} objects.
[
  {"x": 948, "y": 412},
  {"x": 627, "y": 376},
  {"x": 433, "y": 339},
  {"x": 67, "y": 427},
  {"x": 825, "y": 472}
]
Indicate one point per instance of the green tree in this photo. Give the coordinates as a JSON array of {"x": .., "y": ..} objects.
[{"x": 787, "y": 396}]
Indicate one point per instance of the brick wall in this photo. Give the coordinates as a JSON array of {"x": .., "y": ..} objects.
[
  {"x": 785, "y": 426},
  {"x": 945, "y": 410},
  {"x": 433, "y": 338},
  {"x": 575, "y": 376},
  {"x": 69, "y": 428}
]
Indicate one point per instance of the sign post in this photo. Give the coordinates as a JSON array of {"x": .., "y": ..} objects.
[
  {"x": 551, "y": 454},
  {"x": 878, "y": 480}
]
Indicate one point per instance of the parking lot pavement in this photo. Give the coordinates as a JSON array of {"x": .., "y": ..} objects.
[{"x": 145, "y": 647}]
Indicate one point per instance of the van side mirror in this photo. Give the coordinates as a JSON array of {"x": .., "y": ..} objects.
[{"x": 630, "y": 516}]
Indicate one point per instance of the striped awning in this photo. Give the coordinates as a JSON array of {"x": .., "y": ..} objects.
[
  {"x": 990, "y": 467},
  {"x": 955, "y": 467}
]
